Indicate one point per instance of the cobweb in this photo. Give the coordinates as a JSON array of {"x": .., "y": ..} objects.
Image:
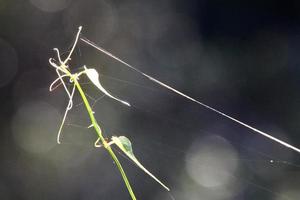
[{"x": 199, "y": 154}]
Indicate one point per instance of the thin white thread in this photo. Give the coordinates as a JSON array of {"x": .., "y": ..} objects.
[{"x": 190, "y": 98}]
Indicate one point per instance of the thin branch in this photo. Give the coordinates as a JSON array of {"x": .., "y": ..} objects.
[
  {"x": 73, "y": 47},
  {"x": 70, "y": 104},
  {"x": 51, "y": 88}
]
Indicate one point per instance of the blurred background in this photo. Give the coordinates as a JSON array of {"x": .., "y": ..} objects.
[{"x": 241, "y": 57}]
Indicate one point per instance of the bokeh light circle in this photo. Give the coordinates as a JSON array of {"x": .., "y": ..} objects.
[
  {"x": 51, "y": 6},
  {"x": 34, "y": 127},
  {"x": 212, "y": 162},
  {"x": 99, "y": 20}
]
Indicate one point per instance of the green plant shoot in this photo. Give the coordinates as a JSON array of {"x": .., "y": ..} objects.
[
  {"x": 63, "y": 71},
  {"x": 125, "y": 145}
]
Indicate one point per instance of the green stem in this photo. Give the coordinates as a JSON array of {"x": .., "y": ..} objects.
[{"x": 105, "y": 144}]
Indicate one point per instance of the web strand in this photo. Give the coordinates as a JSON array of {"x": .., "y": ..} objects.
[{"x": 190, "y": 98}]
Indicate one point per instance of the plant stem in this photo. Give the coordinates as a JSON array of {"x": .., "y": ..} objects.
[{"x": 105, "y": 144}]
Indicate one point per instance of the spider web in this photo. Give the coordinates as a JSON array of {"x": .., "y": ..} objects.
[{"x": 167, "y": 130}]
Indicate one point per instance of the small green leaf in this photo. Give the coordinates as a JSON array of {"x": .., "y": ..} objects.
[
  {"x": 125, "y": 145},
  {"x": 93, "y": 75}
]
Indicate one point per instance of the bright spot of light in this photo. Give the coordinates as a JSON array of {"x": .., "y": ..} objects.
[
  {"x": 8, "y": 62},
  {"x": 212, "y": 162},
  {"x": 289, "y": 193},
  {"x": 277, "y": 167},
  {"x": 51, "y": 6},
  {"x": 34, "y": 127}
]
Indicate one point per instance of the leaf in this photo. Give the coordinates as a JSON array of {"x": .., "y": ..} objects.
[
  {"x": 125, "y": 145},
  {"x": 93, "y": 75}
]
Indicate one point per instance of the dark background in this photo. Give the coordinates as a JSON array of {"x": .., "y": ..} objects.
[{"x": 240, "y": 57}]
